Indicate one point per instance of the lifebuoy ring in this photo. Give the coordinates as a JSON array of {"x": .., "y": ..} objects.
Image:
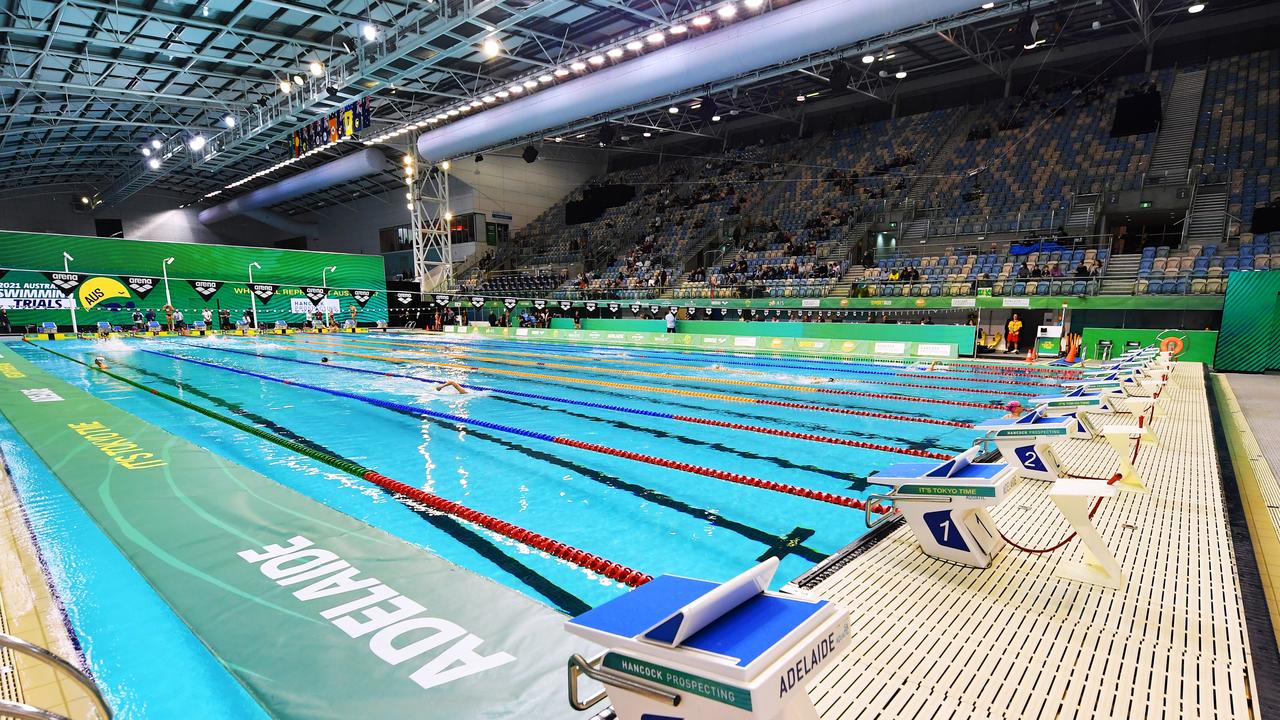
[{"x": 1172, "y": 345}]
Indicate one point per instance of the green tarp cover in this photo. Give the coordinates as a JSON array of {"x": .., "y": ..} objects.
[{"x": 316, "y": 613}]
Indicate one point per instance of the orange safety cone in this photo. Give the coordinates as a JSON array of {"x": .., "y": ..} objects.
[{"x": 1073, "y": 346}]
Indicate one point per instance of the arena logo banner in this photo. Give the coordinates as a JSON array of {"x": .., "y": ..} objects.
[
  {"x": 706, "y": 310},
  {"x": 362, "y": 297},
  {"x": 654, "y": 309},
  {"x": 443, "y": 299},
  {"x": 263, "y": 291},
  {"x": 316, "y": 294},
  {"x": 539, "y": 304},
  {"x": 674, "y": 309},
  {"x": 205, "y": 288},
  {"x": 591, "y": 307},
  {"x": 565, "y": 305},
  {"x": 509, "y": 303},
  {"x": 613, "y": 308},
  {"x": 140, "y": 285},
  {"x": 3, "y": 272},
  {"x": 477, "y": 301},
  {"x": 65, "y": 282},
  {"x": 691, "y": 311},
  {"x": 95, "y": 291},
  {"x": 635, "y": 309},
  {"x": 404, "y": 298}
]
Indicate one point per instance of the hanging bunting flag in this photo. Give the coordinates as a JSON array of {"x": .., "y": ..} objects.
[
  {"x": 509, "y": 303},
  {"x": 591, "y": 307},
  {"x": 443, "y": 299},
  {"x": 477, "y": 301},
  {"x": 654, "y": 309},
  {"x": 3, "y": 272},
  {"x": 140, "y": 285},
  {"x": 404, "y": 298},
  {"x": 65, "y": 282},
  {"x": 263, "y": 291},
  {"x": 205, "y": 288},
  {"x": 315, "y": 294},
  {"x": 613, "y": 307},
  {"x": 691, "y": 311},
  {"x": 674, "y": 309},
  {"x": 362, "y": 297},
  {"x": 565, "y": 305},
  {"x": 635, "y": 309},
  {"x": 539, "y": 304},
  {"x": 706, "y": 310}
]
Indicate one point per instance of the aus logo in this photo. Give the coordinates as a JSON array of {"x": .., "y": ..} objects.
[
  {"x": 1030, "y": 459},
  {"x": 99, "y": 289}
]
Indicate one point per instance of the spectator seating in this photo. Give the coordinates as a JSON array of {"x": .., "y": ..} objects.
[
  {"x": 1199, "y": 270},
  {"x": 962, "y": 273}
]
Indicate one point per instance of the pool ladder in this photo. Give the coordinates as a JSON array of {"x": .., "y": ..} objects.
[{"x": 30, "y": 712}]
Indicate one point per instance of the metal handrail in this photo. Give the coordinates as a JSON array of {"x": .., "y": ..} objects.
[
  {"x": 27, "y": 712},
  {"x": 47, "y": 657},
  {"x": 579, "y": 666}
]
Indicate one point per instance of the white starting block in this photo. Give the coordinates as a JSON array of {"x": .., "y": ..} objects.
[
  {"x": 946, "y": 507},
  {"x": 684, "y": 649},
  {"x": 1076, "y": 404},
  {"x": 1026, "y": 444}
]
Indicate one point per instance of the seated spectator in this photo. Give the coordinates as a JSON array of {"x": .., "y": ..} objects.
[
  {"x": 1055, "y": 270},
  {"x": 1082, "y": 270}
]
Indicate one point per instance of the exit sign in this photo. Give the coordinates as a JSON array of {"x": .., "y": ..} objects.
[{"x": 1144, "y": 204}]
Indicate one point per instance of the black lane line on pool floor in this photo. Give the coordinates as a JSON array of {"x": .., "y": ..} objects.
[
  {"x": 931, "y": 442},
  {"x": 563, "y": 599},
  {"x": 775, "y": 545}
]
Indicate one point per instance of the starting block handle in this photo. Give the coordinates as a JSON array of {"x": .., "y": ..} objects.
[{"x": 579, "y": 666}]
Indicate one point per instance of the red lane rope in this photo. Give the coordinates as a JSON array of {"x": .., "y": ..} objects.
[
  {"x": 826, "y": 497},
  {"x": 867, "y": 413},
  {"x": 815, "y": 438},
  {"x": 582, "y": 558}
]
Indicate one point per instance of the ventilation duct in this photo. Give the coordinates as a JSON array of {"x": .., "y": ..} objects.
[
  {"x": 361, "y": 164},
  {"x": 777, "y": 36}
]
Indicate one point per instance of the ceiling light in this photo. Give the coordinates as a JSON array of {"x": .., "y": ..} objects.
[
  {"x": 715, "y": 118},
  {"x": 702, "y": 20},
  {"x": 754, "y": 4},
  {"x": 799, "y": 98},
  {"x": 370, "y": 32},
  {"x": 596, "y": 59},
  {"x": 444, "y": 165},
  {"x": 441, "y": 116},
  {"x": 544, "y": 78},
  {"x": 579, "y": 136},
  {"x": 561, "y": 72},
  {"x": 316, "y": 69},
  {"x": 635, "y": 46},
  {"x": 727, "y": 11},
  {"x": 504, "y": 94},
  {"x": 146, "y": 152},
  {"x": 901, "y": 74},
  {"x": 673, "y": 109},
  {"x": 229, "y": 121},
  {"x": 491, "y": 47},
  {"x": 285, "y": 86},
  {"x": 196, "y": 143},
  {"x": 155, "y": 143},
  {"x": 516, "y": 89},
  {"x": 1195, "y": 8},
  {"x": 452, "y": 113},
  {"x": 868, "y": 59},
  {"x": 679, "y": 29},
  {"x": 154, "y": 163},
  {"x": 476, "y": 103},
  {"x": 614, "y": 52},
  {"x": 656, "y": 38},
  {"x": 84, "y": 199},
  {"x": 297, "y": 80},
  {"x": 647, "y": 134},
  {"x": 488, "y": 98},
  {"x": 579, "y": 66},
  {"x": 530, "y": 84},
  {"x": 988, "y": 6},
  {"x": 559, "y": 139}
]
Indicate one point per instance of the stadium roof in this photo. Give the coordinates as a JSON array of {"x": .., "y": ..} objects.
[{"x": 87, "y": 85}]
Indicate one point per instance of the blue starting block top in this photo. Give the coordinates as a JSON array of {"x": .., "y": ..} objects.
[
  {"x": 1079, "y": 392},
  {"x": 958, "y": 476},
  {"x": 1033, "y": 423}
]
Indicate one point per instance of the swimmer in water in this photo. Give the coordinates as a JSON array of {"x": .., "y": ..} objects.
[
  {"x": 451, "y": 384},
  {"x": 100, "y": 363},
  {"x": 324, "y": 360},
  {"x": 1014, "y": 409}
]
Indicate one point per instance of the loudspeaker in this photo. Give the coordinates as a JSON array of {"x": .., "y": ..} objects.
[
  {"x": 708, "y": 110},
  {"x": 840, "y": 77},
  {"x": 530, "y": 153},
  {"x": 606, "y": 134}
]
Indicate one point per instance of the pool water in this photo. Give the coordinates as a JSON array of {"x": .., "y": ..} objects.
[{"x": 653, "y": 518}]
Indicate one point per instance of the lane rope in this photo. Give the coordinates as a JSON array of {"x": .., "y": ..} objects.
[
  {"x": 748, "y": 383},
  {"x": 600, "y": 406},
  {"x": 581, "y": 558},
  {"x": 666, "y": 391},
  {"x": 736, "y": 478}
]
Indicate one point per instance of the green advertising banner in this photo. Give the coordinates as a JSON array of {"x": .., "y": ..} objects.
[
  {"x": 1250, "y": 337},
  {"x": 109, "y": 278},
  {"x": 1198, "y": 345},
  {"x": 732, "y": 343},
  {"x": 318, "y": 615}
]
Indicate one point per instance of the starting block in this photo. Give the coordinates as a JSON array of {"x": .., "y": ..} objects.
[
  {"x": 946, "y": 505},
  {"x": 684, "y": 649},
  {"x": 1026, "y": 444},
  {"x": 1119, "y": 436}
]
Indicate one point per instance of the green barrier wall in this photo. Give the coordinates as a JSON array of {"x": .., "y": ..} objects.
[
  {"x": 825, "y": 347},
  {"x": 1198, "y": 344},
  {"x": 1250, "y": 337},
  {"x": 352, "y": 623},
  {"x": 106, "y": 266},
  {"x": 961, "y": 336}
]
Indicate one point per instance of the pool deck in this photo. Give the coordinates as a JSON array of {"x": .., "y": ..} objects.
[{"x": 933, "y": 639}]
